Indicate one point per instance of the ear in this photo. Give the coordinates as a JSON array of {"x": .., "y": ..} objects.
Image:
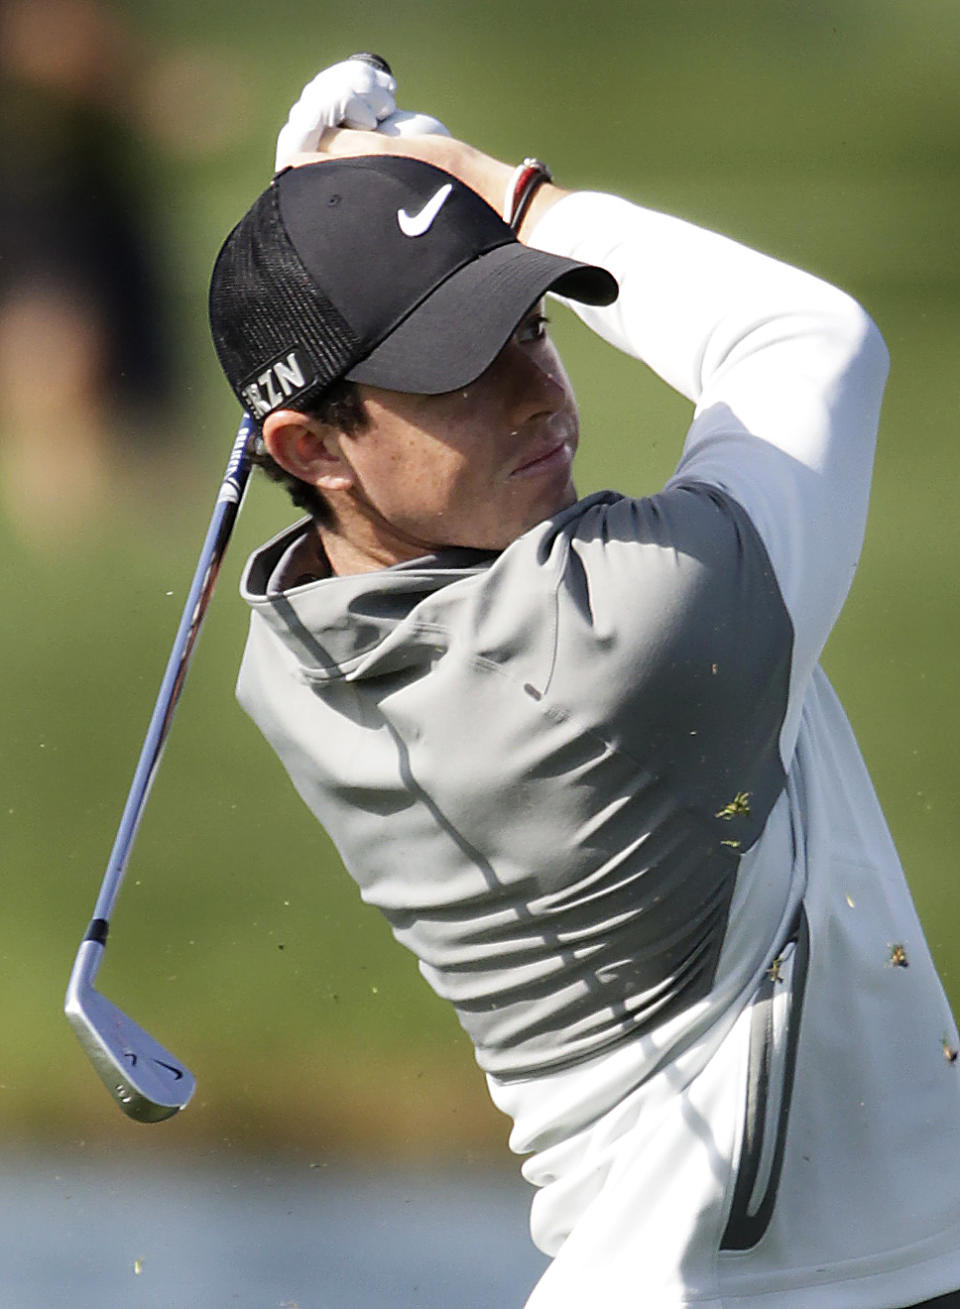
[{"x": 307, "y": 449}]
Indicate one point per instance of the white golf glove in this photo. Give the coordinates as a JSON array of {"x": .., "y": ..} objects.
[{"x": 353, "y": 93}]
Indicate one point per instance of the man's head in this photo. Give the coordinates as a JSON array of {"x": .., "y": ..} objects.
[{"x": 387, "y": 272}]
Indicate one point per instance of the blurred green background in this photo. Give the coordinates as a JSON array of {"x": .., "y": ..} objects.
[{"x": 826, "y": 132}]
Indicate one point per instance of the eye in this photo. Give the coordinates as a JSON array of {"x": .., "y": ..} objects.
[{"x": 533, "y": 328}]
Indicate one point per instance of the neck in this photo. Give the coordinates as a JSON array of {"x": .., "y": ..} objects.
[{"x": 362, "y": 545}]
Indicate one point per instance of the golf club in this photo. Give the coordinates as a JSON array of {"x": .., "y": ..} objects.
[{"x": 147, "y": 1082}]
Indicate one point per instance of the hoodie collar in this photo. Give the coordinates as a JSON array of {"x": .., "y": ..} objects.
[{"x": 333, "y": 623}]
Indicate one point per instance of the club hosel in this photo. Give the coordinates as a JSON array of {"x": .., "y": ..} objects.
[{"x": 85, "y": 969}]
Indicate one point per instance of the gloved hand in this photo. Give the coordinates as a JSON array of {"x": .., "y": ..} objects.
[{"x": 354, "y": 93}]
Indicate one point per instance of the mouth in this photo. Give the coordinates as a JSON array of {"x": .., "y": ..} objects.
[{"x": 558, "y": 455}]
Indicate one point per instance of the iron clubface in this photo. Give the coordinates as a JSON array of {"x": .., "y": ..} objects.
[{"x": 147, "y": 1081}]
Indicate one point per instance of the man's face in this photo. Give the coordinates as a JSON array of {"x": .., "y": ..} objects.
[{"x": 475, "y": 467}]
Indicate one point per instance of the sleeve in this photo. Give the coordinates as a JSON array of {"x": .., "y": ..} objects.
[{"x": 786, "y": 375}]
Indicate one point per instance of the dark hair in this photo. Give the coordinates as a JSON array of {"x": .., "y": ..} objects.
[{"x": 339, "y": 406}]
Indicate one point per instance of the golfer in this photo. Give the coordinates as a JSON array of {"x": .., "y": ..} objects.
[{"x": 580, "y": 752}]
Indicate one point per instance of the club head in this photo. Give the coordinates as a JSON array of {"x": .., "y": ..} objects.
[{"x": 146, "y": 1081}]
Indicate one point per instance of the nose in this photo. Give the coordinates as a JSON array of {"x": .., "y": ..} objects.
[{"x": 533, "y": 380}]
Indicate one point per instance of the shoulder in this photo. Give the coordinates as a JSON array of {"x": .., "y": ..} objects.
[
  {"x": 669, "y": 599},
  {"x": 680, "y": 563}
]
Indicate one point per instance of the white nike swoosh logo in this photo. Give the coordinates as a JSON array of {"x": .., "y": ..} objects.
[{"x": 417, "y": 224}]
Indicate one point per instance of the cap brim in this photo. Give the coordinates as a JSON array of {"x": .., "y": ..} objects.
[{"x": 459, "y": 329}]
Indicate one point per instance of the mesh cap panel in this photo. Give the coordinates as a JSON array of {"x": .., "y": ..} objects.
[{"x": 264, "y": 305}]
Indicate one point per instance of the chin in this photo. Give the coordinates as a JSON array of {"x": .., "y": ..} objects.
[
  {"x": 566, "y": 498},
  {"x": 539, "y": 514}
]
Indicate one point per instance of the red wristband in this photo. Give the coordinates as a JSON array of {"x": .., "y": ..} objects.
[{"x": 525, "y": 181}]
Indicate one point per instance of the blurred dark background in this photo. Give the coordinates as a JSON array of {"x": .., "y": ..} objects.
[{"x": 826, "y": 132}]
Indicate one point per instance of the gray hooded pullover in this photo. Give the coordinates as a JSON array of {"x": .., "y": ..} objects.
[{"x": 599, "y": 786}]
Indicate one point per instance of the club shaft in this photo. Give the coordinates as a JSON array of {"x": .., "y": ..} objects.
[{"x": 224, "y": 516}]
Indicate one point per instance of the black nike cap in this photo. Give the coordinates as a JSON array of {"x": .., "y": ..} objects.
[{"x": 380, "y": 269}]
